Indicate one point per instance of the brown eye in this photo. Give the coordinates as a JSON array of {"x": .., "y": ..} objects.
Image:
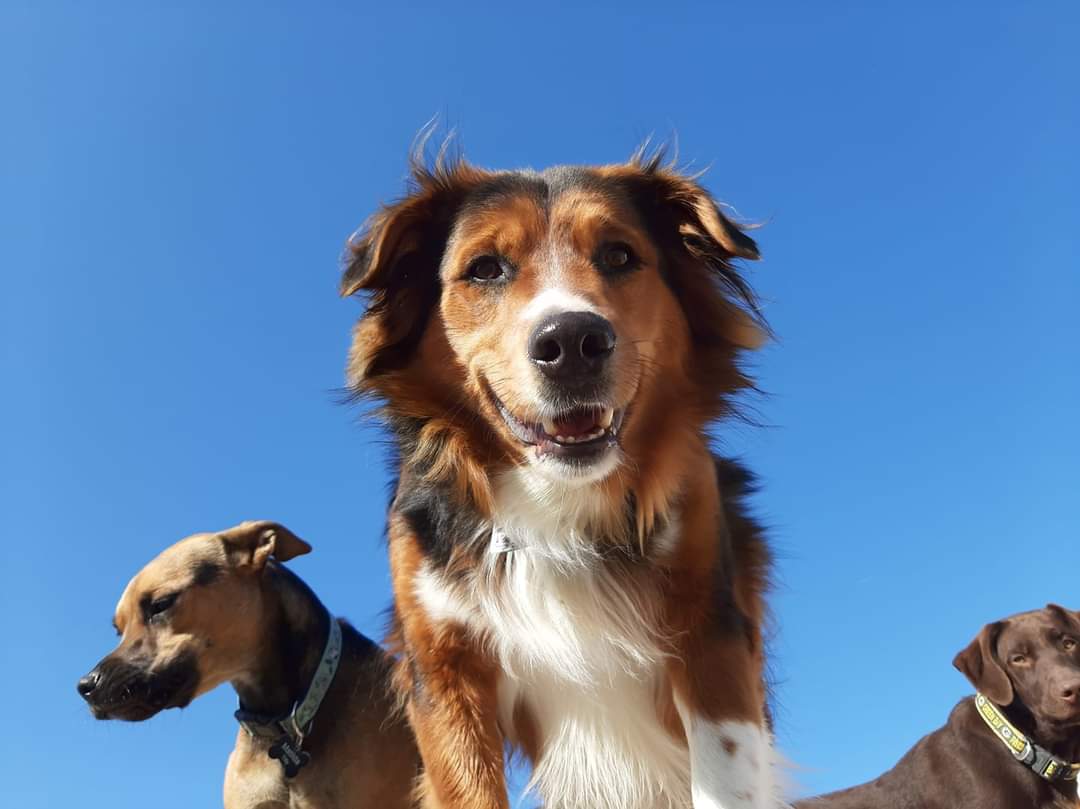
[
  {"x": 1069, "y": 644},
  {"x": 1018, "y": 660},
  {"x": 486, "y": 268},
  {"x": 616, "y": 257}
]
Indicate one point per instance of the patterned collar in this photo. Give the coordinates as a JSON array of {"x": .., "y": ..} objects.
[{"x": 287, "y": 732}]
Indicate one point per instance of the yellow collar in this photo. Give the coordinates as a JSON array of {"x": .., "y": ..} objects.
[{"x": 1044, "y": 763}]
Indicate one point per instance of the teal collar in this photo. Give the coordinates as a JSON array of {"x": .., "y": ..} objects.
[{"x": 286, "y": 733}]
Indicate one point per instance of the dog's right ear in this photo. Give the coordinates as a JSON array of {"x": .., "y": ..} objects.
[
  {"x": 980, "y": 665},
  {"x": 396, "y": 257},
  {"x": 251, "y": 543}
]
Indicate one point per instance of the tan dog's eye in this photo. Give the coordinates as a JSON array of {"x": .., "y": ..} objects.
[
  {"x": 1069, "y": 644},
  {"x": 159, "y": 606},
  {"x": 486, "y": 269},
  {"x": 615, "y": 257}
]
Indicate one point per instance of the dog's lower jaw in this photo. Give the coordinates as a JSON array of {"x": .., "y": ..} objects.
[{"x": 556, "y": 470}]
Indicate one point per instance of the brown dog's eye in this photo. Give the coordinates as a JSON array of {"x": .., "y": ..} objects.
[
  {"x": 486, "y": 268},
  {"x": 1069, "y": 644},
  {"x": 616, "y": 257},
  {"x": 1018, "y": 660}
]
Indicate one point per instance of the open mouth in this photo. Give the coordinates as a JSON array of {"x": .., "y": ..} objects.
[{"x": 579, "y": 433}]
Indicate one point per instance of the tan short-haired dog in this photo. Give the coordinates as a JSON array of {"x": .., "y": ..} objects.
[{"x": 318, "y": 726}]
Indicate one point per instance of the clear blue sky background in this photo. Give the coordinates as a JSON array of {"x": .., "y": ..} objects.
[{"x": 177, "y": 183}]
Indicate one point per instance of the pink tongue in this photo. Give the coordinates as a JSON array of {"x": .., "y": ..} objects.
[{"x": 576, "y": 424}]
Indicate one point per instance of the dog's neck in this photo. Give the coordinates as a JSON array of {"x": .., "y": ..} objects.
[
  {"x": 296, "y": 632},
  {"x": 1063, "y": 742}
]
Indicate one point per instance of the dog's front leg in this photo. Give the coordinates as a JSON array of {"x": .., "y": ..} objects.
[
  {"x": 450, "y": 687},
  {"x": 731, "y": 761}
]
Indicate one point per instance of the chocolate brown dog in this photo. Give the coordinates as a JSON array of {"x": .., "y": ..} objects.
[
  {"x": 1013, "y": 745},
  {"x": 318, "y": 727}
]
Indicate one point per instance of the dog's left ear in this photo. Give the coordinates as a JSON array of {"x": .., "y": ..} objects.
[
  {"x": 251, "y": 543},
  {"x": 980, "y": 665},
  {"x": 691, "y": 225},
  {"x": 1068, "y": 616}
]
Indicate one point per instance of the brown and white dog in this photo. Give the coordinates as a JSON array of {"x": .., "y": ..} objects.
[
  {"x": 219, "y": 607},
  {"x": 575, "y": 573}
]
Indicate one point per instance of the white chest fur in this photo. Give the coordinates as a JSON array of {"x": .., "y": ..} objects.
[{"x": 578, "y": 648}]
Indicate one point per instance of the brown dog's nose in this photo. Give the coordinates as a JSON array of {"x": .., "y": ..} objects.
[
  {"x": 571, "y": 345},
  {"x": 1071, "y": 693},
  {"x": 88, "y": 683}
]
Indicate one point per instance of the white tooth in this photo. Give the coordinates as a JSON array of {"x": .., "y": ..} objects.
[
  {"x": 549, "y": 426},
  {"x": 606, "y": 417},
  {"x": 562, "y": 439}
]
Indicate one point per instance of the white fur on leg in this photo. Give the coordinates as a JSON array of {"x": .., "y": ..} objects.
[{"x": 731, "y": 764}]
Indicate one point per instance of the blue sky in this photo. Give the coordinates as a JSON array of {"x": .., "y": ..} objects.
[{"x": 177, "y": 183}]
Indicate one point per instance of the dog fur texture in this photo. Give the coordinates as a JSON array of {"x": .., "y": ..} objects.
[{"x": 576, "y": 575}]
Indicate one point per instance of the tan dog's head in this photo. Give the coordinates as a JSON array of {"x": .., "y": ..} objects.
[
  {"x": 574, "y": 320},
  {"x": 189, "y": 621}
]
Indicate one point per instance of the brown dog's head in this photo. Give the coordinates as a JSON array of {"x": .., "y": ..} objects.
[
  {"x": 188, "y": 621},
  {"x": 1032, "y": 658},
  {"x": 577, "y": 320}
]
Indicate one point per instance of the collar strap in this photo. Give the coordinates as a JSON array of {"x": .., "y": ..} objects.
[
  {"x": 287, "y": 732},
  {"x": 1038, "y": 759}
]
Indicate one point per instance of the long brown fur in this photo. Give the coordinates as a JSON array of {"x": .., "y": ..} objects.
[{"x": 425, "y": 346}]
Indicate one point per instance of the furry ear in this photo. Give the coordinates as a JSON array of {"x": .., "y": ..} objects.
[
  {"x": 1069, "y": 617},
  {"x": 689, "y": 224},
  {"x": 980, "y": 665},
  {"x": 396, "y": 257},
  {"x": 251, "y": 543}
]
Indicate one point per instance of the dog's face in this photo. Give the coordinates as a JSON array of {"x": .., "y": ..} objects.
[
  {"x": 188, "y": 621},
  {"x": 573, "y": 311},
  {"x": 1033, "y": 658}
]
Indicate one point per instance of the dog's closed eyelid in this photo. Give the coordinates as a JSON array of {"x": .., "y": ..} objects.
[{"x": 159, "y": 605}]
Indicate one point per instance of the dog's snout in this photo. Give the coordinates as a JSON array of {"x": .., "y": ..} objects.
[
  {"x": 88, "y": 683},
  {"x": 569, "y": 345}
]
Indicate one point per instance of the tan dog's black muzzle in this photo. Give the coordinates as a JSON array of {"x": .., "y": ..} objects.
[{"x": 121, "y": 689}]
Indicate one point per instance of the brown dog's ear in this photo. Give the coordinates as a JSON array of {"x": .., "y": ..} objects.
[
  {"x": 396, "y": 257},
  {"x": 251, "y": 543},
  {"x": 980, "y": 665},
  {"x": 1068, "y": 616}
]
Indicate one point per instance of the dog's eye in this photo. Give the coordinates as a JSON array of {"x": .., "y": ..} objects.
[
  {"x": 1069, "y": 644},
  {"x": 1018, "y": 660},
  {"x": 615, "y": 257},
  {"x": 485, "y": 269},
  {"x": 161, "y": 605}
]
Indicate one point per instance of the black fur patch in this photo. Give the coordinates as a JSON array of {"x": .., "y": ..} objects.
[
  {"x": 440, "y": 525},
  {"x": 206, "y": 572}
]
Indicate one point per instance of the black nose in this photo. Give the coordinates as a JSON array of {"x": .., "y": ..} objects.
[
  {"x": 571, "y": 345},
  {"x": 88, "y": 683}
]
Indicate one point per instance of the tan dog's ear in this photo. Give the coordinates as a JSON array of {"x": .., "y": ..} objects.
[
  {"x": 251, "y": 543},
  {"x": 980, "y": 665}
]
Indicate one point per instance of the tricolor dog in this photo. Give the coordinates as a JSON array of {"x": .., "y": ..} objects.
[
  {"x": 318, "y": 725},
  {"x": 575, "y": 572}
]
